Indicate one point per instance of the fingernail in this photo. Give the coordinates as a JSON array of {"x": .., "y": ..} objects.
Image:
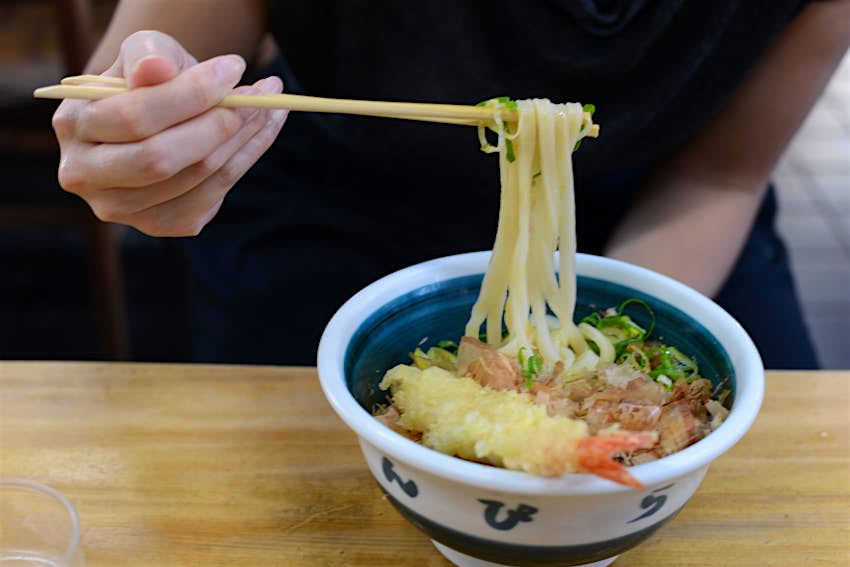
[
  {"x": 138, "y": 63},
  {"x": 271, "y": 85},
  {"x": 229, "y": 68}
]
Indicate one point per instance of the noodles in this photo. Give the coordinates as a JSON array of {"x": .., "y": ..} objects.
[{"x": 536, "y": 218}]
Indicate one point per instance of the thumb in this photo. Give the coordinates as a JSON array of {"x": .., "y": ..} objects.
[
  {"x": 151, "y": 57},
  {"x": 151, "y": 70}
]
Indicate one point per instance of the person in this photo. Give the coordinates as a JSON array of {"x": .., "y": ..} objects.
[{"x": 696, "y": 101}]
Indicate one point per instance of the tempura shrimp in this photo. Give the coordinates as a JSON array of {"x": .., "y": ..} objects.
[{"x": 458, "y": 416}]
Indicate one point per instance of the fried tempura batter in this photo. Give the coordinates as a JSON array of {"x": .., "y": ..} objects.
[{"x": 458, "y": 416}]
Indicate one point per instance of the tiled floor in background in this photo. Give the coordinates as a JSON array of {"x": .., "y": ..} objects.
[{"x": 813, "y": 184}]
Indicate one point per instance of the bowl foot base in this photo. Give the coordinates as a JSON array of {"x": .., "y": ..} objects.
[{"x": 463, "y": 560}]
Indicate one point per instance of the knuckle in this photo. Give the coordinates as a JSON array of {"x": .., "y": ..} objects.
[
  {"x": 63, "y": 123},
  {"x": 193, "y": 224},
  {"x": 200, "y": 91},
  {"x": 131, "y": 119},
  {"x": 160, "y": 221},
  {"x": 227, "y": 123},
  {"x": 149, "y": 230},
  {"x": 211, "y": 213},
  {"x": 156, "y": 227},
  {"x": 151, "y": 225},
  {"x": 72, "y": 178},
  {"x": 193, "y": 228},
  {"x": 107, "y": 210},
  {"x": 204, "y": 168},
  {"x": 228, "y": 175},
  {"x": 156, "y": 162}
]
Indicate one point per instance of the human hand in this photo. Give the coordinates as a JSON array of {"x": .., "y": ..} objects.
[{"x": 162, "y": 157}]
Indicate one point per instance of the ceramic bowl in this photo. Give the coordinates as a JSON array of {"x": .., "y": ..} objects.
[{"x": 479, "y": 515}]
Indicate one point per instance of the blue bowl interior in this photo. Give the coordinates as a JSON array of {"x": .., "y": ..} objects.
[{"x": 440, "y": 311}]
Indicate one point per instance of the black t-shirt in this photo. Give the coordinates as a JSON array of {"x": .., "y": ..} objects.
[
  {"x": 339, "y": 201},
  {"x": 656, "y": 71}
]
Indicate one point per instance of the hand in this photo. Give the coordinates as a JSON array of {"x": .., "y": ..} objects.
[{"x": 161, "y": 157}]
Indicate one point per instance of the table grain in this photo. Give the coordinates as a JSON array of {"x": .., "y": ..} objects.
[{"x": 171, "y": 464}]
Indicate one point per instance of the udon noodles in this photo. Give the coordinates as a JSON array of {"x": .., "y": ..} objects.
[
  {"x": 535, "y": 391},
  {"x": 536, "y": 217}
]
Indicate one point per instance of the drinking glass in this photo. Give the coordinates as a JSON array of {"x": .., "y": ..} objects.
[{"x": 38, "y": 526}]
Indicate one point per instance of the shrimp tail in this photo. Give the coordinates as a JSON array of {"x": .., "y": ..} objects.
[{"x": 594, "y": 454}]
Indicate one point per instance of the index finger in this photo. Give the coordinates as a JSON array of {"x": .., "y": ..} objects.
[{"x": 142, "y": 112}]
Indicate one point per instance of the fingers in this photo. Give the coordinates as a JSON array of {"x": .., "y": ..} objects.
[
  {"x": 118, "y": 203},
  {"x": 187, "y": 214},
  {"x": 145, "y": 111},
  {"x": 161, "y": 157},
  {"x": 145, "y": 58},
  {"x": 157, "y": 158}
]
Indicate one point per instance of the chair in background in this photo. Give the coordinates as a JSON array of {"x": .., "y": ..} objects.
[{"x": 26, "y": 135}]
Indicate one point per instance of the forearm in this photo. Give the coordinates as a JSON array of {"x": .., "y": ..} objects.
[
  {"x": 692, "y": 232},
  {"x": 204, "y": 27},
  {"x": 693, "y": 216}
]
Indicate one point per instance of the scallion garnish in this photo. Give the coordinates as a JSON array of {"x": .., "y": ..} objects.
[
  {"x": 669, "y": 361},
  {"x": 589, "y": 108},
  {"x": 450, "y": 346},
  {"x": 530, "y": 367},
  {"x": 509, "y": 146}
]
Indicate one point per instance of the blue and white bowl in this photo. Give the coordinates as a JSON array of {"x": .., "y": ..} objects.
[{"x": 479, "y": 515}]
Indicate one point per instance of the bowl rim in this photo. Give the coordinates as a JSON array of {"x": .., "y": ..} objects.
[{"x": 739, "y": 347}]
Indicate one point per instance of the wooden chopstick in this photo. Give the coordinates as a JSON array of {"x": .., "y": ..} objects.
[
  {"x": 99, "y": 79},
  {"x": 80, "y": 87}
]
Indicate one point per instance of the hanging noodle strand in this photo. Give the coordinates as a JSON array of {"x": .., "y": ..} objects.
[{"x": 521, "y": 290}]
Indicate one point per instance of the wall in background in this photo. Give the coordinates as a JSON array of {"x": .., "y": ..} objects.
[{"x": 813, "y": 185}]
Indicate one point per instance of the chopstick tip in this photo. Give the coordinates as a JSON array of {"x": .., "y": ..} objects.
[{"x": 46, "y": 92}]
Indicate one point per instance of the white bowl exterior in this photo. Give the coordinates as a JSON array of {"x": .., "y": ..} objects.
[{"x": 563, "y": 520}]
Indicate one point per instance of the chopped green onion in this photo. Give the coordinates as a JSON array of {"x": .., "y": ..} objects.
[
  {"x": 643, "y": 304},
  {"x": 530, "y": 367},
  {"x": 590, "y": 108},
  {"x": 499, "y": 99},
  {"x": 435, "y": 356},
  {"x": 669, "y": 361},
  {"x": 509, "y": 146},
  {"x": 450, "y": 346},
  {"x": 592, "y": 319},
  {"x": 620, "y": 328},
  {"x": 509, "y": 151}
]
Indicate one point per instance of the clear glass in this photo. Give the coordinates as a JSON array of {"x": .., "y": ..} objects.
[{"x": 38, "y": 526}]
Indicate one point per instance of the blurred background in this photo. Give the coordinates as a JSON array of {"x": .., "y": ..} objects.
[{"x": 74, "y": 288}]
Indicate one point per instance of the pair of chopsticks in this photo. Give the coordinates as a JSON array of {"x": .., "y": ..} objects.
[{"x": 80, "y": 87}]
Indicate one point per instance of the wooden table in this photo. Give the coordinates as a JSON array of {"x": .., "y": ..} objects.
[{"x": 238, "y": 465}]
